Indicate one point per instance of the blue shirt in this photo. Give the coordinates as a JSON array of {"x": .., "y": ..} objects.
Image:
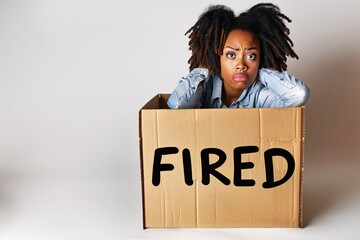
[{"x": 271, "y": 88}]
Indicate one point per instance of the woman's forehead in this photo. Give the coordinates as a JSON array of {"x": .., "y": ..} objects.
[{"x": 237, "y": 38}]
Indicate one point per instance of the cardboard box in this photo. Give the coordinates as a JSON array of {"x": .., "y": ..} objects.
[{"x": 221, "y": 167}]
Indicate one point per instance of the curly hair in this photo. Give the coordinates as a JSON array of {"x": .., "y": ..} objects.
[{"x": 208, "y": 35}]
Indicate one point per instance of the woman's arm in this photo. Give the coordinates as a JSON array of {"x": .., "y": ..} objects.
[
  {"x": 281, "y": 89},
  {"x": 188, "y": 92}
]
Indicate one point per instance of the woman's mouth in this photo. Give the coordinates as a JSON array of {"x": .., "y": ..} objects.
[{"x": 240, "y": 77}]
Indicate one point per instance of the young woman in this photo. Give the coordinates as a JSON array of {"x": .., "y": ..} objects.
[{"x": 239, "y": 62}]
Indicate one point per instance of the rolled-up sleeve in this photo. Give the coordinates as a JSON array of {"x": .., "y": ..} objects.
[
  {"x": 281, "y": 89},
  {"x": 189, "y": 90}
]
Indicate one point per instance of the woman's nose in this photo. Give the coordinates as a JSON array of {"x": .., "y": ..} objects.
[{"x": 241, "y": 65}]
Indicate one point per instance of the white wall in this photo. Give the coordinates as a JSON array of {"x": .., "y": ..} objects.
[{"x": 73, "y": 75}]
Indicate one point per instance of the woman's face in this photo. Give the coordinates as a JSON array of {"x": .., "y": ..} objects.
[{"x": 239, "y": 62}]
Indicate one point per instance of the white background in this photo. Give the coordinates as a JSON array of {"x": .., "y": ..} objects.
[{"x": 73, "y": 76}]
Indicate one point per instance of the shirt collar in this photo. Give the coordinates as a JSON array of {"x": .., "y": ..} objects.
[{"x": 217, "y": 91}]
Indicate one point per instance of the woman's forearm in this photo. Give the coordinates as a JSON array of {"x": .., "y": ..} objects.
[
  {"x": 189, "y": 90},
  {"x": 290, "y": 91}
]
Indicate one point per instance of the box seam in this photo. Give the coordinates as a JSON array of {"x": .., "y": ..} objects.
[{"x": 301, "y": 202}]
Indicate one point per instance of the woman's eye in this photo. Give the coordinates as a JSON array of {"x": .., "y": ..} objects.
[
  {"x": 251, "y": 56},
  {"x": 230, "y": 55}
]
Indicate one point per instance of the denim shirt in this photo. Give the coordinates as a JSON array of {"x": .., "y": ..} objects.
[{"x": 271, "y": 88}]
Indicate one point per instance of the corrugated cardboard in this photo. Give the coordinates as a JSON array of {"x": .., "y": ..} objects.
[{"x": 193, "y": 203}]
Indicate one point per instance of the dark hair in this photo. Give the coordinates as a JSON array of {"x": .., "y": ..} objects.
[{"x": 208, "y": 35}]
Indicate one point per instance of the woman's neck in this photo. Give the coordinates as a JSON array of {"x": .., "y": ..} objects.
[{"x": 228, "y": 97}]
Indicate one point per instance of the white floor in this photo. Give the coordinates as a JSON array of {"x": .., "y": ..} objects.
[{"x": 107, "y": 205}]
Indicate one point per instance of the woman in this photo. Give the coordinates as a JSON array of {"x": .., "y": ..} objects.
[{"x": 239, "y": 62}]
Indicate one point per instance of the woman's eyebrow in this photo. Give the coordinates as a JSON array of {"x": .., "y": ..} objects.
[
  {"x": 233, "y": 48},
  {"x": 251, "y": 48},
  {"x": 237, "y": 49}
]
